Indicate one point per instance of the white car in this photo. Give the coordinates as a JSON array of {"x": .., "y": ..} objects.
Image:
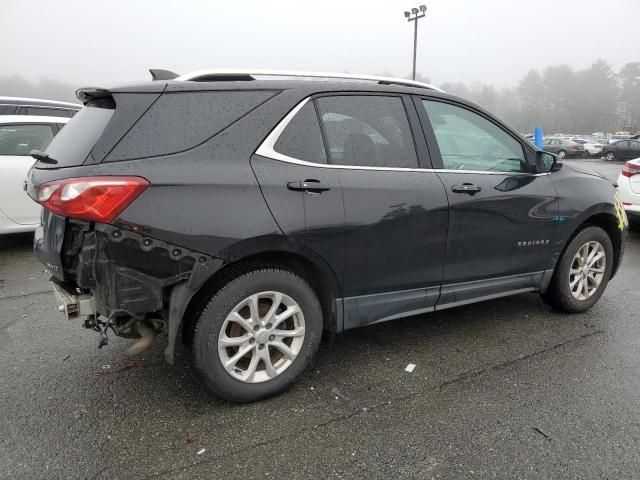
[
  {"x": 593, "y": 148},
  {"x": 629, "y": 188},
  {"x": 19, "y": 134}
]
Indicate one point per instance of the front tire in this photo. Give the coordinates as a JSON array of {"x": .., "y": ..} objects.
[
  {"x": 610, "y": 156},
  {"x": 257, "y": 335},
  {"x": 582, "y": 273}
]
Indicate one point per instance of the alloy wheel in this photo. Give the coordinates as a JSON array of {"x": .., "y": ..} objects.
[
  {"x": 610, "y": 157},
  {"x": 587, "y": 270},
  {"x": 261, "y": 337}
]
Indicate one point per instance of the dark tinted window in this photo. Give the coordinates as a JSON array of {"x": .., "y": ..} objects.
[
  {"x": 74, "y": 142},
  {"x": 179, "y": 121},
  {"x": 44, "y": 111},
  {"x": 21, "y": 139},
  {"x": 302, "y": 138},
  {"x": 367, "y": 130},
  {"x": 634, "y": 144},
  {"x": 468, "y": 141},
  {"x": 622, "y": 144}
]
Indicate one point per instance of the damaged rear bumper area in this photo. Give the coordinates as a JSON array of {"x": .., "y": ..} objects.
[{"x": 146, "y": 297}]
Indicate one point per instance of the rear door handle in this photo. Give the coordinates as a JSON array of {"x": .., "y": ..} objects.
[
  {"x": 312, "y": 186},
  {"x": 469, "y": 188}
]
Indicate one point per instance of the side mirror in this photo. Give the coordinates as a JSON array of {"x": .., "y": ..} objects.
[{"x": 547, "y": 162}]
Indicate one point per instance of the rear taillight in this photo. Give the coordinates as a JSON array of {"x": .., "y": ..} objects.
[
  {"x": 97, "y": 199},
  {"x": 630, "y": 169},
  {"x": 576, "y": 146}
]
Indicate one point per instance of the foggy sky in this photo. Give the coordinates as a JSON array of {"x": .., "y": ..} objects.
[{"x": 493, "y": 41}]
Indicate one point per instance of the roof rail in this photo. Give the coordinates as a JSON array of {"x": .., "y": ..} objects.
[{"x": 211, "y": 75}]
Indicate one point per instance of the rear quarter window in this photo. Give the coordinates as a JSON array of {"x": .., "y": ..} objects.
[
  {"x": 72, "y": 144},
  {"x": 180, "y": 121}
]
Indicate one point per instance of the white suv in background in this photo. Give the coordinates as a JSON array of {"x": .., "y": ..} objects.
[
  {"x": 629, "y": 188},
  {"x": 19, "y": 134}
]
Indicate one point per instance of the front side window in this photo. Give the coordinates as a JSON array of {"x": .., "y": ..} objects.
[
  {"x": 468, "y": 141},
  {"x": 367, "y": 130},
  {"x": 21, "y": 139},
  {"x": 302, "y": 138}
]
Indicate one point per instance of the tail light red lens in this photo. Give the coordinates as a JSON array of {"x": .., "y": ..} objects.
[
  {"x": 630, "y": 169},
  {"x": 97, "y": 199}
]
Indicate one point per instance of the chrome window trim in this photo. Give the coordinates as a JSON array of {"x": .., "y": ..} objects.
[{"x": 266, "y": 149}]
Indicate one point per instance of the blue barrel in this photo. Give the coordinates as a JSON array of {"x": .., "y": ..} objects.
[{"x": 537, "y": 137}]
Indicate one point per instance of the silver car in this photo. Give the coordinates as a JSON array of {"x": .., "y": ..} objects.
[{"x": 563, "y": 147}]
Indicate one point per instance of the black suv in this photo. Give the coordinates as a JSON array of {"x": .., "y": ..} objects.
[{"x": 246, "y": 214}]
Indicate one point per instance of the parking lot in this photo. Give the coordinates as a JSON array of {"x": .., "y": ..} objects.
[{"x": 505, "y": 389}]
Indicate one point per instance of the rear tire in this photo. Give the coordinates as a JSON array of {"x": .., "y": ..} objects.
[
  {"x": 570, "y": 272},
  {"x": 251, "y": 307},
  {"x": 562, "y": 154}
]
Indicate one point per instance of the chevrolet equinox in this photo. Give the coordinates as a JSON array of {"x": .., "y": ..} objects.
[{"x": 244, "y": 213}]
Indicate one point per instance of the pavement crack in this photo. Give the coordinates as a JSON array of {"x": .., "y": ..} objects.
[
  {"x": 474, "y": 373},
  {"x": 536, "y": 429},
  {"x": 25, "y": 295}
]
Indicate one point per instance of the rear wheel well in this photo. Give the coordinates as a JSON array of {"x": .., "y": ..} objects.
[{"x": 297, "y": 264}]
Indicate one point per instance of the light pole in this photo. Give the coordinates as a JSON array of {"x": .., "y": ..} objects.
[{"x": 413, "y": 16}]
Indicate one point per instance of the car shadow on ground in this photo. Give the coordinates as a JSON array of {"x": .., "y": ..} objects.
[
  {"x": 14, "y": 241},
  {"x": 367, "y": 364}
]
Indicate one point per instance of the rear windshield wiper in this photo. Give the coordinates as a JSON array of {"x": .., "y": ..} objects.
[{"x": 43, "y": 157}]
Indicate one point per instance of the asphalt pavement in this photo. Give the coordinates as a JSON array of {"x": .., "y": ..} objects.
[{"x": 502, "y": 389}]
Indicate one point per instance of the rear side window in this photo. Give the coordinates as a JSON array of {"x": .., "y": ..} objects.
[
  {"x": 302, "y": 138},
  {"x": 74, "y": 142},
  {"x": 179, "y": 121},
  {"x": 21, "y": 139},
  {"x": 367, "y": 130}
]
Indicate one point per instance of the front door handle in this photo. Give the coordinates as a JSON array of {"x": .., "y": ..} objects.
[
  {"x": 469, "y": 188},
  {"x": 311, "y": 186}
]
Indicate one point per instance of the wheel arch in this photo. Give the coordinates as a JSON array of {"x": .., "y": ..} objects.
[
  {"x": 310, "y": 267},
  {"x": 610, "y": 224}
]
